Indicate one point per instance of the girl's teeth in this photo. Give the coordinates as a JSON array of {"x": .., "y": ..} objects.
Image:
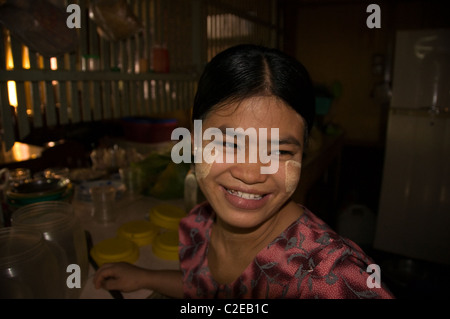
[{"x": 244, "y": 195}]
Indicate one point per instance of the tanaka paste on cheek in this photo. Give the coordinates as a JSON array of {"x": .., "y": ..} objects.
[
  {"x": 292, "y": 175},
  {"x": 202, "y": 169}
]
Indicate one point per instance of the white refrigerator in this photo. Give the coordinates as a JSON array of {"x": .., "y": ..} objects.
[{"x": 414, "y": 209}]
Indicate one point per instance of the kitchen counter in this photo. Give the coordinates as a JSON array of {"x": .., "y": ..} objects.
[{"x": 129, "y": 208}]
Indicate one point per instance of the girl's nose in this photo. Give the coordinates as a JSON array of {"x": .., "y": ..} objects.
[{"x": 248, "y": 173}]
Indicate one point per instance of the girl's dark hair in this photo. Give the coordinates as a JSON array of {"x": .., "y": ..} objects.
[{"x": 245, "y": 71}]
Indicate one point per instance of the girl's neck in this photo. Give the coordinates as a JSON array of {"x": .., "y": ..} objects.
[
  {"x": 243, "y": 241},
  {"x": 232, "y": 250}
]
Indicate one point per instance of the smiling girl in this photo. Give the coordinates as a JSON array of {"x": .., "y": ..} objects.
[{"x": 250, "y": 239}]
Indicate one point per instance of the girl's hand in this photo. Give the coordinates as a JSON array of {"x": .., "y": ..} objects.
[{"x": 120, "y": 276}]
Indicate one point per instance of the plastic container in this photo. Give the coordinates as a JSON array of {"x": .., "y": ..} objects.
[
  {"x": 62, "y": 231},
  {"x": 165, "y": 245},
  {"x": 358, "y": 223},
  {"x": 141, "y": 232},
  {"x": 115, "y": 250},
  {"x": 161, "y": 60},
  {"x": 28, "y": 268},
  {"x": 166, "y": 216}
]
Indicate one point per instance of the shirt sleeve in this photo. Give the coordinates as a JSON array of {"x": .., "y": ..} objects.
[{"x": 343, "y": 274}]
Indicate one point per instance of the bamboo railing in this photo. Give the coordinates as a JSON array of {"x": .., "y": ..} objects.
[{"x": 59, "y": 91}]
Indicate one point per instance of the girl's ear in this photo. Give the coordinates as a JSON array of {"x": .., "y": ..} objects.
[
  {"x": 193, "y": 147},
  {"x": 192, "y": 143}
]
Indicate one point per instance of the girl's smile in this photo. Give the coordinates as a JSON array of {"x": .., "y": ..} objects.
[{"x": 249, "y": 200}]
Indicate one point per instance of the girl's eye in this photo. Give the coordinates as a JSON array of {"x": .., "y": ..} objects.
[
  {"x": 283, "y": 152},
  {"x": 225, "y": 144},
  {"x": 229, "y": 145}
]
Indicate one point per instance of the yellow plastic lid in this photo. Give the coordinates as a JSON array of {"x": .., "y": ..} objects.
[
  {"x": 166, "y": 216},
  {"x": 165, "y": 245},
  {"x": 141, "y": 232},
  {"x": 115, "y": 250}
]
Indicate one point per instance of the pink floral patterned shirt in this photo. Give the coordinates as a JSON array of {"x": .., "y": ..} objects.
[{"x": 308, "y": 260}]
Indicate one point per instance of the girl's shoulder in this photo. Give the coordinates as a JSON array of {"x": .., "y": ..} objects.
[
  {"x": 310, "y": 239},
  {"x": 325, "y": 264},
  {"x": 310, "y": 230}
]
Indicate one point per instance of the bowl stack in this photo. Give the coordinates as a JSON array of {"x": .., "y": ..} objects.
[{"x": 39, "y": 190}]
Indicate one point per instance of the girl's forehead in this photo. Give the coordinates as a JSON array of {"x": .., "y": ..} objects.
[{"x": 258, "y": 111}]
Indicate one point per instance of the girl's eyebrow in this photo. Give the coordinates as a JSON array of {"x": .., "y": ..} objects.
[
  {"x": 223, "y": 129},
  {"x": 287, "y": 140},
  {"x": 290, "y": 140}
]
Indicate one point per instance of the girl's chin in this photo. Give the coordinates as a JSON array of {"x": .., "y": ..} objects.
[
  {"x": 241, "y": 224},
  {"x": 243, "y": 219}
]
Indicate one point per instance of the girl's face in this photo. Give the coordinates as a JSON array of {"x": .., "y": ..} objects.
[{"x": 241, "y": 196}]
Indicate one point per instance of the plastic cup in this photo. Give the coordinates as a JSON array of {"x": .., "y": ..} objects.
[
  {"x": 132, "y": 179},
  {"x": 103, "y": 200}
]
